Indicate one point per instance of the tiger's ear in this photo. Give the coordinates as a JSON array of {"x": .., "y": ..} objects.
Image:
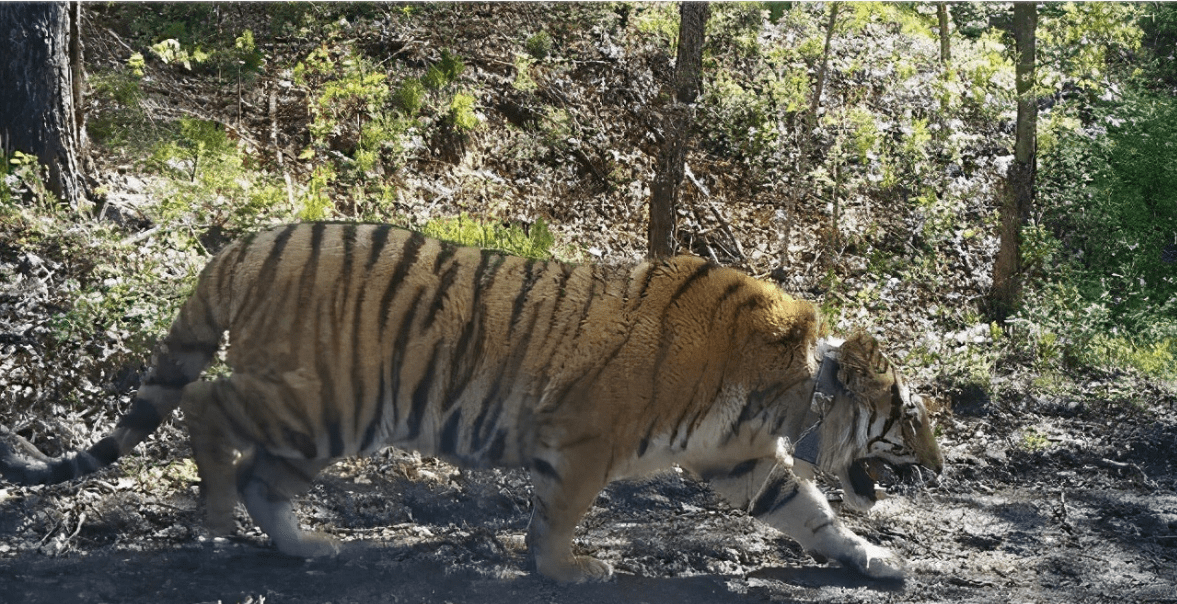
[{"x": 864, "y": 370}]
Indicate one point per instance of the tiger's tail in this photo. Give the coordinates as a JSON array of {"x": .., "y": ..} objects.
[{"x": 184, "y": 354}]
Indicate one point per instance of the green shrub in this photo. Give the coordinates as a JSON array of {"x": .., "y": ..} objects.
[
  {"x": 206, "y": 179},
  {"x": 409, "y": 96},
  {"x": 317, "y": 204},
  {"x": 1111, "y": 200},
  {"x": 461, "y": 115},
  {"x": 444, "y": 72},
  {"x": 523, "y": 81},
  {"x": 22, "y": 179},
  {"x": 533, "y": 242},
  {"x": 539, "y": 45}
]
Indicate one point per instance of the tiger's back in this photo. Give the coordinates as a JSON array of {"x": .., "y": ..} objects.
[{"x": 349, "y": 337}]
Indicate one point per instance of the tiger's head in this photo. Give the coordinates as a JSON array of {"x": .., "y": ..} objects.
[{"x": 870, "y": 423}]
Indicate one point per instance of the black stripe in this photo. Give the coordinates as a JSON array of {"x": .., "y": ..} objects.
[
  {"x": 377, "y": 415},
  {"x": 445, "y": 282},
  {"x": 646, "y": 280},
  {"x": 497, "y": 447},
  {"x": 449, "y": 434},
  {"x": 645, "y": 442},
  {"x": 755, "y": 302},
  {"x": 300, "y": 442},
  {"x": 589, "y": 298},
  {"x": 700, "y": 272},
  {"x": 728, "y": 292},
  {"x": 691, "y": 428},
  {"x": 826, "y": 524},
  {"x": 466, "y": 359},
  {"x": 488, "y": 279},
  {"x": 400, "y": 348},
  {"x": 332, "y": 415},
  {"x": 333, "y": 401},
  {"x": 201, "y": 348},
  {"x": 226, "y": 270},
  {"x": 421, "y": 396},
  {"x": 894, "y": 417},
  {"x": 508, "y": 375},
  {"x": 529, "y": 279},
  {"x": 743, "y": 468},
  {"x": 490, "y": 401},
  {"x": 167, "y": 374},
  {"x": 379, "y": 240},
  {"x": 222, "y": 268},
  {"x": 359, "y": 379},
  {"x": 105, "y": 450},
  {"x": 447, "y": 251},
  {"x": 408, "y": 258},
  {"x": 64, "y": 469},
  {"x": 344, "y": 278},
  {"x": 700, "y": 409},
  {"x": 334, "y": 435},
  {"x": 772, "y": 499},
  {"x": 554, "y": 341},
  {"x": 544, "y": 468},
  {"x": 561, "y": 292},
  {"x": 268, "y": 272},
  {"x": 143, "y": 416},
  {"x": 667, "y": 337},
  {"x": 309, "y": 303}
]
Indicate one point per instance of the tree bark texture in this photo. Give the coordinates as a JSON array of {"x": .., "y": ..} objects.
[
  {"x": 688, "y": 83},
  {"x": 41, "y": 107},
  {"x": 1019, "y": 194}
]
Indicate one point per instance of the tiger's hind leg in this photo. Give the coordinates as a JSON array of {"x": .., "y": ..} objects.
[
  {"x": 563, "y": 492},
  {"x": 230, "y": 464},
  {"x": 217, "y": 460},
  {"x": 267, "y": 488}
]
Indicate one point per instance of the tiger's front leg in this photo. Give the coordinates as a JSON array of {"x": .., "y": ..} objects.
[{"x": 772, "y": 493}]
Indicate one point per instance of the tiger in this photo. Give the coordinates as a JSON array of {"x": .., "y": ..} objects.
[{"x": 346, "y": 338}]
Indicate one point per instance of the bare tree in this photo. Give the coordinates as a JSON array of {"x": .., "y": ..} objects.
[
  {"x": 41, "y": 107},
  {"x": 1019, "y": 189},
  {"x": 688, "y": 83},
  {"x": 945, "y": 46},
  {"x": 800, "y": 186},
  {"x": 815, "y": 102}
]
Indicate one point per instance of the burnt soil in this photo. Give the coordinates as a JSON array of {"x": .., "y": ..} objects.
[{"x": 1080, "y": 508}]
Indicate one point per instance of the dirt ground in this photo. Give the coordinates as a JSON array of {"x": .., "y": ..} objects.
[{"x": 1074, "y": 512}]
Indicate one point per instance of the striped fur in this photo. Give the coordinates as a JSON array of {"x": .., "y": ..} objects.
[{"x": 347, "y": 338}]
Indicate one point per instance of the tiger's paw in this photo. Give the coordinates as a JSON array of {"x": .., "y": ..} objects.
[
  {"x": 577, "y": 569},
  {"x": 311, "y": 545},
  {"x": 875, "y": 562}
]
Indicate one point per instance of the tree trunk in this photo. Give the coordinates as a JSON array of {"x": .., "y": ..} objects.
[
  {"x": 41, "y": 108},
  {"x": 1019, "y": 190},
  {"x": 945, "y": 47},
  {"x": 800, "y": 185},
  {"x": 815, "y": 103},
  {"x": 688, "y": 83}
]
